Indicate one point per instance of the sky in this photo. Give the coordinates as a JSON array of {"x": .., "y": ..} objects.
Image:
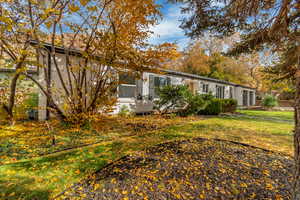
[{"x": 168, "y": 29}]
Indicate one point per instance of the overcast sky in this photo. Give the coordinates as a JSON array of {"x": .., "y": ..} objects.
[{"x": 168, "y": 29}]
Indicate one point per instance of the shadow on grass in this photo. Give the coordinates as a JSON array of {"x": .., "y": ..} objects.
[
  {"x": 41, "y": 162},
  {"x": 18, "y": 180},
  {"x": 18, "y": 190}
]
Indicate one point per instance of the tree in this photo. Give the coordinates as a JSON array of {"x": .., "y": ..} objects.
[
  {"x": 205, "y": 59},
  {"x": 109, "y": 38},
  {"x": 21, "y": 22},
  {"x": 262, "y": 24}
]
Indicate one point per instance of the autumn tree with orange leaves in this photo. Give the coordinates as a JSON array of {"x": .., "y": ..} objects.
[{"x": 110, "y": 37}]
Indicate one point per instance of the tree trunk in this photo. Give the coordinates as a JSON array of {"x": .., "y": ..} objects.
[
  {"x": 11, "y": 102},
  {"x": 296, "y": 184}
]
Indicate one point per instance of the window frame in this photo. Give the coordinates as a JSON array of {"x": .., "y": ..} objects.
[
  {"x": 129, "y": 84},
  {"x": 205, "y": 88},
  {"x": 220, "y": 91},
  {"x": 231, "y": 92},
  {"x": 167, "y": 81}
]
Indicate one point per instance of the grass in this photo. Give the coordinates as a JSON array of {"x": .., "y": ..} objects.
[
  {"x": 281, "y": 115},
  {"x": 23, "y": 175}
]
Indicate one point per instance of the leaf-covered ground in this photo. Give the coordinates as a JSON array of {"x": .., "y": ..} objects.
[
  {"x": 25, "y": 176},
  {"x": 32, "y": 139},
  {"x": 191, "y": 169}
]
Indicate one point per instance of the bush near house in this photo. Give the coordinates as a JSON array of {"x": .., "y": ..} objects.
[
  {"x": 269, "y": 102},
  {"x": 183, "y": 102},
  {"x": 229, "y": 105},
  {"x": 179, "y": 99},
  {"x": 124, "y": 111},
  {"x": 214, "y": 107},
  {"x": 194, "y": 104},
  {"x": 171, "y": 98}
]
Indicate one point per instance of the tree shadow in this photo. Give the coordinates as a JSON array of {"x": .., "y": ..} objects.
[{"x": 15, "y": 188}]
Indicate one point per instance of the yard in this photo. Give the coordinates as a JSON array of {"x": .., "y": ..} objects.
[{"x": 33, "y": 168}]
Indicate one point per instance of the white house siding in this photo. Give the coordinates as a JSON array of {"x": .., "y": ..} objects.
[
  {"x": 239, "y": 96},
  {"x": 134, "y": 104},
  {"x": 146, "y": 105}
]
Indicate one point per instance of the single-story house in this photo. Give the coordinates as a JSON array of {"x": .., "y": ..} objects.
[
  {"x": 138, "y": 95},
  {"x": 130, "y": 93}
]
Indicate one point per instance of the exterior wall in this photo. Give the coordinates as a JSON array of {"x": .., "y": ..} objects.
[
  {"x": 239, "y": 96},
  {"x": 146, "y": 105},
  {"x": 133, "y": 104},
  {"x": 42, "y": 114},
  {"x": 56, "y": 86}
]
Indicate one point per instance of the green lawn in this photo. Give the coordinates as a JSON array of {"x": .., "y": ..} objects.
[
  {"x": 282, "y": 115},
  {"x": 24, "y": 177}
]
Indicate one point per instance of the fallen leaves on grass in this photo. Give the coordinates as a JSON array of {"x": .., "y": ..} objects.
[
  {"x": 32, "y": 139},
  {"x": 191, "y": 169}
]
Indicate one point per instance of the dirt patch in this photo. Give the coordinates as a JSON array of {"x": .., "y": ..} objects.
[{"x": 191, "y": 169}]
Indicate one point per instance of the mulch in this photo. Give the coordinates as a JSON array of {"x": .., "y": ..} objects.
[{"x": 191, "y": 169}]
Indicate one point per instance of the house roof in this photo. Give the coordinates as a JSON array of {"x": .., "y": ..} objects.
[
  {"x": 76, "y": 52},
  {"x": 178, "y": 73}
]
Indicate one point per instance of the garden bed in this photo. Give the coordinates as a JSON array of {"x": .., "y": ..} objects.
[{"x": 191, "y": 169}]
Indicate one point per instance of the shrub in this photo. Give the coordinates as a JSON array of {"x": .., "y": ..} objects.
[
  {"x": 229, "y": 105},
  {"x": 179, "y": 99},
  {"x": 269, "y": 101},
  {"x": 124, "y": 111},
  {"x": 213, "y": 107},
  {"x": 171, "y": 98},
  {"x": 195, "y": 103},
  {"x": 208, "y": 97}
]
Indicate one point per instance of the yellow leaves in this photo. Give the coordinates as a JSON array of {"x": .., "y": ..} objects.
[
  {"x": 5, "y": 20},
  {"x": 202, "y": 196},
  {"x": 12, "y": 194},
  {"x": 92, "y": 8},
  {"x": 84, "y": 2},
  {"x": 73, "y": 8},
  {"x": 266, "y": 172},
  {"x": 48, "y": 24},
  {"x": 278, "y": 197},
  {"x": 269, "y": 186},
  {"x": 243, "y": 185},
  {"x": 97, "y": 186},
  {"x": 124, "y": 192},
  {"x": 208, "y": 186},
  {"x": 113, "y": 180}
]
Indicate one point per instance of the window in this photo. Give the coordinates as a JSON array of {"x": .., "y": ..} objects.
[
  {"x": 251, "y": 98},
  {"x": 205, "y": 88},
  {"x": 220, "y": 92},
  {"x": 127, "y": 87},
  {"x": 245, "y": 98},
  {"x": 157, "y": 82},
  {"x": 126, "y": 79},
  {"x": 230, "y": 92}
]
